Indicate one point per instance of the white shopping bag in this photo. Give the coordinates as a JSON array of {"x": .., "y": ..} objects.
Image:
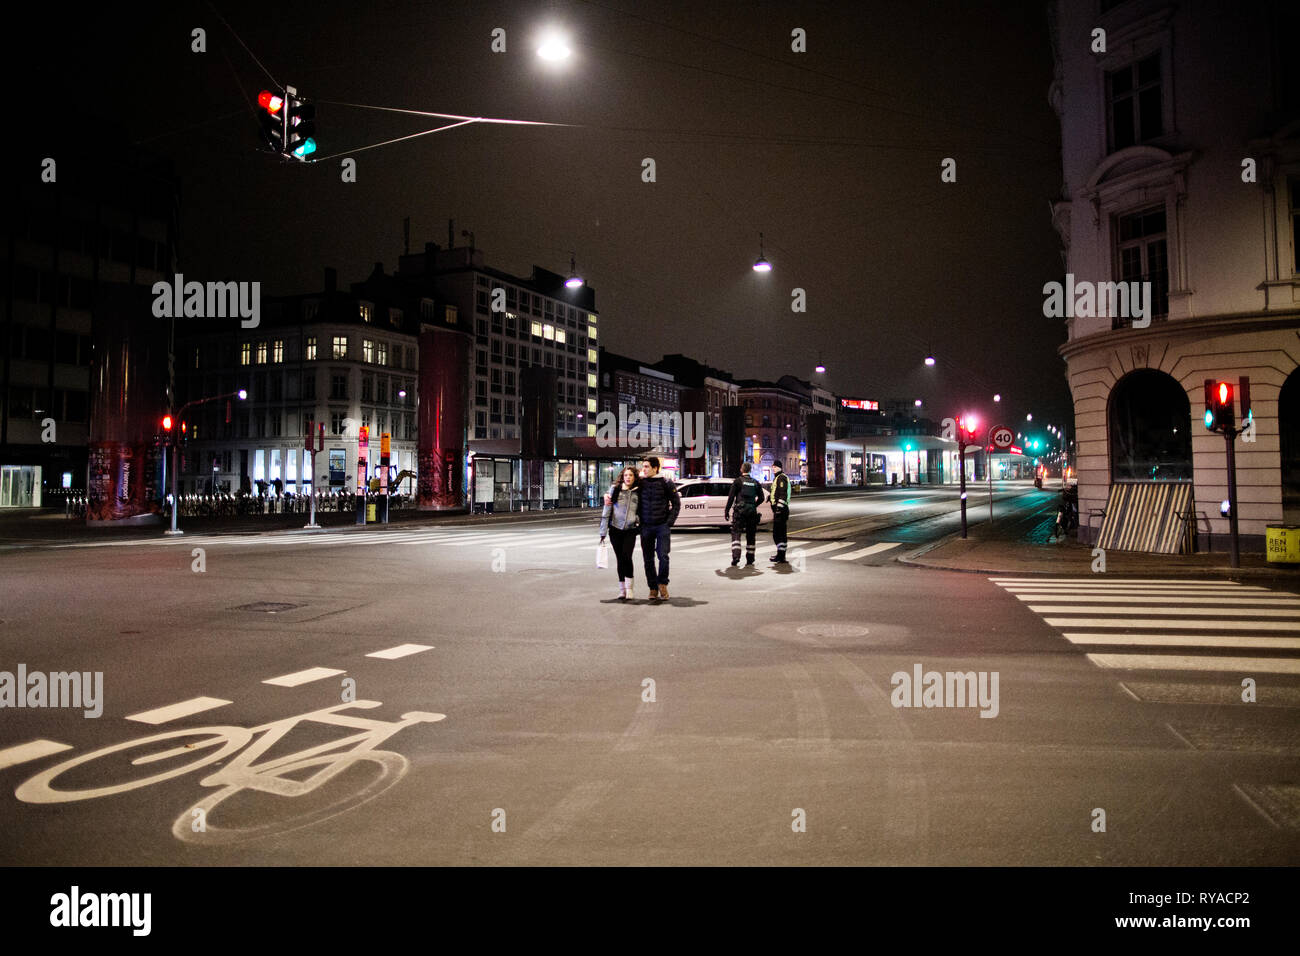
[{"x": 602, "y": 555}]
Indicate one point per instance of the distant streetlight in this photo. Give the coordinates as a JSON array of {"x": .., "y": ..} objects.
[
  {"x": 917, "y": 403},
  {"x": 554, "y": 47},
  {"x": 1029, "y": 417},
  {"x": 761, "y": 264},
  {"x": 997, "y": 398},
  {"x": 574, "y": 281},
  {"x": 929, "y": 360}
]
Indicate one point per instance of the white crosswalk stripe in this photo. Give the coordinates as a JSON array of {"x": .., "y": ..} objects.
[
  {"x": 1208, "y": 622},
  {"x": 876, "y": 548},
  {"x": 558, "y": 539}
]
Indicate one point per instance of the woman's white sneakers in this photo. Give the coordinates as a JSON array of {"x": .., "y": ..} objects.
[{"x": 622, "y": 590}]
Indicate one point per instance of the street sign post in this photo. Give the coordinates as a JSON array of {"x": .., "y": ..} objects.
[
  {"x": 363, "y": 445},
  {"x": 1000, "y": 437}
]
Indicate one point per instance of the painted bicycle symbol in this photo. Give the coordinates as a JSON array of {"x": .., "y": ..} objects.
[{"x": 283, "y": 776}]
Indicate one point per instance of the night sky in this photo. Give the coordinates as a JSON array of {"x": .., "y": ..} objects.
[{"x": 833, "y": 154}]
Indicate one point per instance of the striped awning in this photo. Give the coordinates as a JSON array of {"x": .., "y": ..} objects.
[{"x": 1144, "y": 516}]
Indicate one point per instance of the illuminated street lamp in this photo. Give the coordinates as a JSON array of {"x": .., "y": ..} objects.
[
  {"x": 761, "y": 264},
  {"x": 574, "y": 281},
  {"x": 554, "y": 47}
]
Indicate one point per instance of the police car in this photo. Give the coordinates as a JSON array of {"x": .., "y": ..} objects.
[{"x": 704, "y": 503}]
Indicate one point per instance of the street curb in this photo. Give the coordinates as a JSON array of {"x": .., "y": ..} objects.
[{"x": 1230, "y": 574}]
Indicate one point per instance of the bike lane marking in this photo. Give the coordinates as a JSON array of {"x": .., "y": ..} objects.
[
  {"x": 401, "y": 650},
  {"x": 161, "y": 715},
  {"x": 303, "y": 677},
  {"x": 33, "y": 750}
]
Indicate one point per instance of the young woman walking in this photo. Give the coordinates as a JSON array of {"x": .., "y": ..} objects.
[{"x": 620, "y": 522}]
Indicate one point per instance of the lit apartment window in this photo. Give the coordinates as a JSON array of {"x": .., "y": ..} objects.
[
  {"x": 592, "y": 357},
  {"x": 450, "y": 315},
  {"x": 261, "y": 353},
  {"x": 591, "y": 333},
  {"x": 366, "y": 311},
  {"x": 559, "y": 336},
  {"x": 311, "y": 348},
  {"x": 537, "y": 329},
  {"x": 245, "y": 353},
  {"x": 548, "y": 332},
  {"x": 381, "y": 353},
  {"x": 591, "y": 380},
  {"x": 591, "y": 404},
  {"x": 367, "y": 350},
  {"x": 340, "y": 346},
  {"x": 1134, "y": 103},
  {"x": 277, "y": 350}
]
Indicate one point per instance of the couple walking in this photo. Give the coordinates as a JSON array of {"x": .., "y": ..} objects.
[{"x": 645, "y": 505}]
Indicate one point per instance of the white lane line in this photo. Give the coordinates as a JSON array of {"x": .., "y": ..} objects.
[
  {"x": 1122, "y": 581},
  {"x": 303, "y": 677},
  {"x": 1158, "y": 623},
  {"x": 401, "y": 650},
  {"x": 487, "y": 539},
  {"x": 1185, "y": 611},
  {"x": 874, "y": 549},
  {"x": 1188, "y": 592},
  {"x": 35, "y": 750},
  {"x": 1160, "y": 599},
  {"x": 195, "y": 705},
  {"x": 1173, "y": 662},
  {"x": 833, "y": 546},
  {"x": 567, "y": 541},
  {"x": 711, "y": 546},
  {"x": 1225, "y": 597},
  {"x": 1186, "y": 640}
]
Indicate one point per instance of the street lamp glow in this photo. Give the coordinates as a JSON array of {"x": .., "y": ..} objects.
[
  {"x": 761, "y": 264},
  {"x": 574, "y": 281},
  {"x": 553, "y": 47},
  {"x": 917, "y": 403},
  {"x": 243, "y": 394},
  {"x": 820, "y": 368},
  {"x": 997, "y": 398},
  {"x": 929, "y": 360},
  {"x": 1029, "y": 417}
]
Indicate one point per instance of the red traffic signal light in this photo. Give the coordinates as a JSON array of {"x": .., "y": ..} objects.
[
  {"x": 270, "y": 101},
  {"x": 167, "y": 423}
]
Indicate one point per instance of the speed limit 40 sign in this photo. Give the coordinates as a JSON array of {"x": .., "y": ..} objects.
[{"x": 1001, "y": 436}]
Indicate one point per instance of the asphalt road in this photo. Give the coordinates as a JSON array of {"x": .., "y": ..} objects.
[{"x": 750, "y": 719}]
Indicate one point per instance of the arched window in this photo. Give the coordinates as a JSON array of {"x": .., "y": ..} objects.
[
  {"x": 1150, "y": 429},
  {"x": 1288, "y": 422}
]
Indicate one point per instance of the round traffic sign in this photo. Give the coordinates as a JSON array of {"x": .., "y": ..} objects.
[{"x": 1002, "y": 436}]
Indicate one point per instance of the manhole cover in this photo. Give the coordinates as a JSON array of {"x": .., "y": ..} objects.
[
  {"x": 833, "y": 630},
  {"x": 267, "y": 607}
]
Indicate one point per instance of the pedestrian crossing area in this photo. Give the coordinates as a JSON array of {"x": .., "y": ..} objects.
[
  {"x": 552, "y": 541},
  {"x": 1164, "y": 624}
]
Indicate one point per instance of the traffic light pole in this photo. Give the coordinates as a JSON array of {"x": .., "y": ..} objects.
[
  {"x": 961, "y": 471},
  {"x": 175, "y": 502},
  {"x": 1230, "y": 434}
]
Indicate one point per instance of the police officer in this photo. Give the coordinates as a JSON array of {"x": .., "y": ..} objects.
[
  {"x": 746, "y": 495},
  {"x": 780, "y": 512}
]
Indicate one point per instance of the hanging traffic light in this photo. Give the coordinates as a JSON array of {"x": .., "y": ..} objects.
[
  {"x": 301, "y": 124},
  {"x": 272, "y": 116},
  {"x": 167, "y": 424}
]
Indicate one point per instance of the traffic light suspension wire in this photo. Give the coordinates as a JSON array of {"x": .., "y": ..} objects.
[{"x": 239, "y": 40}]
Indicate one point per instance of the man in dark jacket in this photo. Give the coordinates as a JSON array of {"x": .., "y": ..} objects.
[
  {"x": 660, "y": 504},
  {"x": 780, "y": 511},
  {"x": 745, "y": 497}
]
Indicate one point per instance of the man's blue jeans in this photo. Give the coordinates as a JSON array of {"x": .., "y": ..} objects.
[{"x": 656, "y": 538}]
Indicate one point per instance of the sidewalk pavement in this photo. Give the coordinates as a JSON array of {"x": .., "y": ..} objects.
[{"x": 1025, "y": 547}]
